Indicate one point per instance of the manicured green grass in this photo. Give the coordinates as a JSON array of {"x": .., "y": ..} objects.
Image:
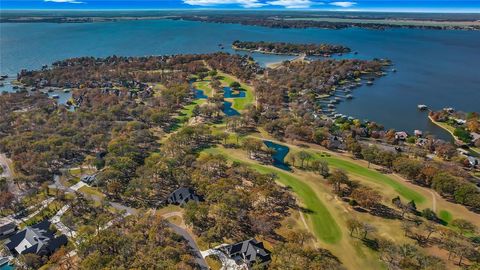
[
  {"x": 205, "y": 87},
  {"x": 324, "y": 225},
  {"x": 445, "y": 216},
  {"x": 373, "y": 176},
  {"x": 238, "y": 103}
]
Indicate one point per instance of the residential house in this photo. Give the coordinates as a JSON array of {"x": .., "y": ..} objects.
[
  {"x": 418, "y": 133},
  {"x": 421, "y": 142},
  {"x": 7, "y": 227},
  {"x": 182, "y": 196},
  {"x": 472, "y": 161},
  {"x": 37, "y": 239},
  {"x": 475, "y": 137},
  {"x": 336, "y": 142},
  {"x": 89, "y": 179},
  {"x": 401, "y": 135},
  {"x": 247, "y": 252}
]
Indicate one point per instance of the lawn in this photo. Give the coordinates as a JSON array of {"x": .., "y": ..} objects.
[
  {"x": 373, "y": 176},
  {"x": 91, "y": 191},
  {"x": 205, "y": 87},
  {"x": 445, "y": 216},
  {"x": 324, "y": 225}
]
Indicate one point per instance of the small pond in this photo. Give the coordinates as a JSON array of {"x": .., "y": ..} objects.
[
  {"x": 199, "y": 94},
  {"x": 281, "y": 152},
  {"x": 228, "y": 110},
  {"x": 228, "y": 92}
]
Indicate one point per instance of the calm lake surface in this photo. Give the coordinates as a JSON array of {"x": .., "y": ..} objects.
[{"x": 436, "y": 68}]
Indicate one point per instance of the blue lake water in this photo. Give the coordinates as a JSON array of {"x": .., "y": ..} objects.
[
  {"x": 281, "y": 152},
  {"x": 436, "y": 68}
]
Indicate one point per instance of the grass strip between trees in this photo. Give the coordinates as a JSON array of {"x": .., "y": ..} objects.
[
  {"x": 373, "y": 176},
  {"x": 324, "y": 225}
]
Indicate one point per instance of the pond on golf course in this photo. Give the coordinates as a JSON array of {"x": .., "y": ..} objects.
[{"x": 281, "y": 152}]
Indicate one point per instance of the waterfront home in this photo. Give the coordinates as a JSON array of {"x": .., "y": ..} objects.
[
  {"x": 460, "y": 121},
  {"x": 401, "y": 135},
  {"x": 182, "y": 196},
  {"x": 7, "y": 227},
  {"x": 247, "y": 252},
  {"x": 418, "y": 133},
  {"x": 37, "y": 239}
]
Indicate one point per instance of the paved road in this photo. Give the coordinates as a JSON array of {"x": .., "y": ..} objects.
[
  {"x": 196, "y": 251},
  {"x": 5, "y": 163}
]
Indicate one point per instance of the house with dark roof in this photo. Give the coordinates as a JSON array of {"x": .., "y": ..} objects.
[
  {"x": 7, "y": 227},
  {"x": 89, "y": 179},
  {"x": 182, "y": 196},
  {"x": 38, "y": 239},
  {"x": 247, "y": 252}
]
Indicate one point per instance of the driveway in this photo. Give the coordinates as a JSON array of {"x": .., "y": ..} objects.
[{"x": 196, "y": 251}]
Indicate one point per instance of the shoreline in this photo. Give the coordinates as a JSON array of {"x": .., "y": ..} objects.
[
  {"x": 456, "y": 139},
  {"x": 286, "y": 54}
]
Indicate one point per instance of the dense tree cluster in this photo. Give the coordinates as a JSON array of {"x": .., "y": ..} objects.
[
  {"x": 160, "y": 173},
  {"x": 448, "y": 179},
  {"x": 289, "y": 48},
  {"x": 140, "y": 242},
  {"x": 239, "y": 202},
  {"x": 42, "y": 137}
]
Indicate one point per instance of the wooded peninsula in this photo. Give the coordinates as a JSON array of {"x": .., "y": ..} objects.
[{"x": 289, "y": 48}]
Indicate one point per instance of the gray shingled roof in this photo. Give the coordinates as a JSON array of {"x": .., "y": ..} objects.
[
  {"x": 249, "y": 251},
  {"x": 38, "y": 239}
]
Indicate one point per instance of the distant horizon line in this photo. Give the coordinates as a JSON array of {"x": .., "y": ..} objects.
[{"x": 434, "y": 11}]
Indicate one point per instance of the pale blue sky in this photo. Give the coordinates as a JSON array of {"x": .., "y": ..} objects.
[{"x": 360, "y": 5}]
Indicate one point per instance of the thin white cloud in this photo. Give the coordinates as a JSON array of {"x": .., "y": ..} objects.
[
  {"x": 343, "y": 4},
  {"x": 65, "y": 1},
  {"x": 243, "y": 3},
  {"x": 292, "y": 3}
]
